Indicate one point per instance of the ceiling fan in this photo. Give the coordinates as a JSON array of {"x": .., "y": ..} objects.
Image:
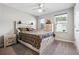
[{"x": 40, "y": 7}]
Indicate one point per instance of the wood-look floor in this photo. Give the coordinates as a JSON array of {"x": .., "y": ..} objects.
[
  {"x": 61, "y": 48},
  {"x": 56, "y": 48}
]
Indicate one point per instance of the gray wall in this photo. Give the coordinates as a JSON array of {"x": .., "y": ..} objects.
[
  {"x": 8, "y": 15},
  {"x": 69, "y": 36}
]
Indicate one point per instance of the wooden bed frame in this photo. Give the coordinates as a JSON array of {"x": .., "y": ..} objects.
[{"x": 44, "y": 44}]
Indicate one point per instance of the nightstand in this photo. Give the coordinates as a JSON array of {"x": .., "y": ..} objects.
[{"x": 9, "y": 40}]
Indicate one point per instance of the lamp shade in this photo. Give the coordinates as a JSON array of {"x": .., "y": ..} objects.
[{"x": 19, "y": 22}]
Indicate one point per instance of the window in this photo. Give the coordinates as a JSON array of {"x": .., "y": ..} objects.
[
  {"x": 61, "y": 23},
  {"x": 42, "y": 22}
]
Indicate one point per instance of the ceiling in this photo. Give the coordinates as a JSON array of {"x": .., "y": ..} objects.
[{"x": 49, "y": 7}]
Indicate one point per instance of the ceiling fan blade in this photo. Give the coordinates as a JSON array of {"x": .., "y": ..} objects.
[
  {"x": 34, "y": 8},
  {"x": 39, "y": 6}
]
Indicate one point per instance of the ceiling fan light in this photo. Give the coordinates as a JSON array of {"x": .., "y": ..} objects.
[
  {"x": 40, "y": 10},
  {"x": 41, "y": 5}
]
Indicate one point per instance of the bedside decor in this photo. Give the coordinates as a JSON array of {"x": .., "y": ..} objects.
[
  {"x": 19, "y": 22},
  {"x": 31, "y": 23}
]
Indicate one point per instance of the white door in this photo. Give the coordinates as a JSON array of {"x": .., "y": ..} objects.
[{"x": 76, "y": 25}]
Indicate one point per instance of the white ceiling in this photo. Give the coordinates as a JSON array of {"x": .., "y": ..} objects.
[{"x": 49, "y": 7}]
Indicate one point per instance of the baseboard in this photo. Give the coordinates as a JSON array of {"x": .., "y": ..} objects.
[
  {"x": 65, "y": 40},
  {"x": 76, "y": 47}
]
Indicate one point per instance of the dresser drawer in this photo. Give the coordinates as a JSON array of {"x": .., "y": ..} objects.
[{"x": 9, "y": 40}]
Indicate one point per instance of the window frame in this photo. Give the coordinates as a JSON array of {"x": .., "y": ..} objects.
[
  {"x": 63, "y": 22},
  {"x": 42, "y": 22}
]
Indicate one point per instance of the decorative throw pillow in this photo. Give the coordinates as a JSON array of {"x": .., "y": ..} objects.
[
  {"x": 27, "y": 29},
  {"x": 22, "y": 29}
]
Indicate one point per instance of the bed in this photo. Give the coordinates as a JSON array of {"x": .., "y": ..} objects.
[{"x": 36, "y": 40}]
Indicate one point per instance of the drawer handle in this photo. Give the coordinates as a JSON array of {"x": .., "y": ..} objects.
[
  {"x": 11, "y": 42},
  {"x": 10, "y": 38}
]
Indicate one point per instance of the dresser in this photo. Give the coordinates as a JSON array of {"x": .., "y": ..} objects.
[
  {"x": 1, "y": 41},
  {"x": 9, "y": 39},
  {"x": 48, "y": 27}
]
